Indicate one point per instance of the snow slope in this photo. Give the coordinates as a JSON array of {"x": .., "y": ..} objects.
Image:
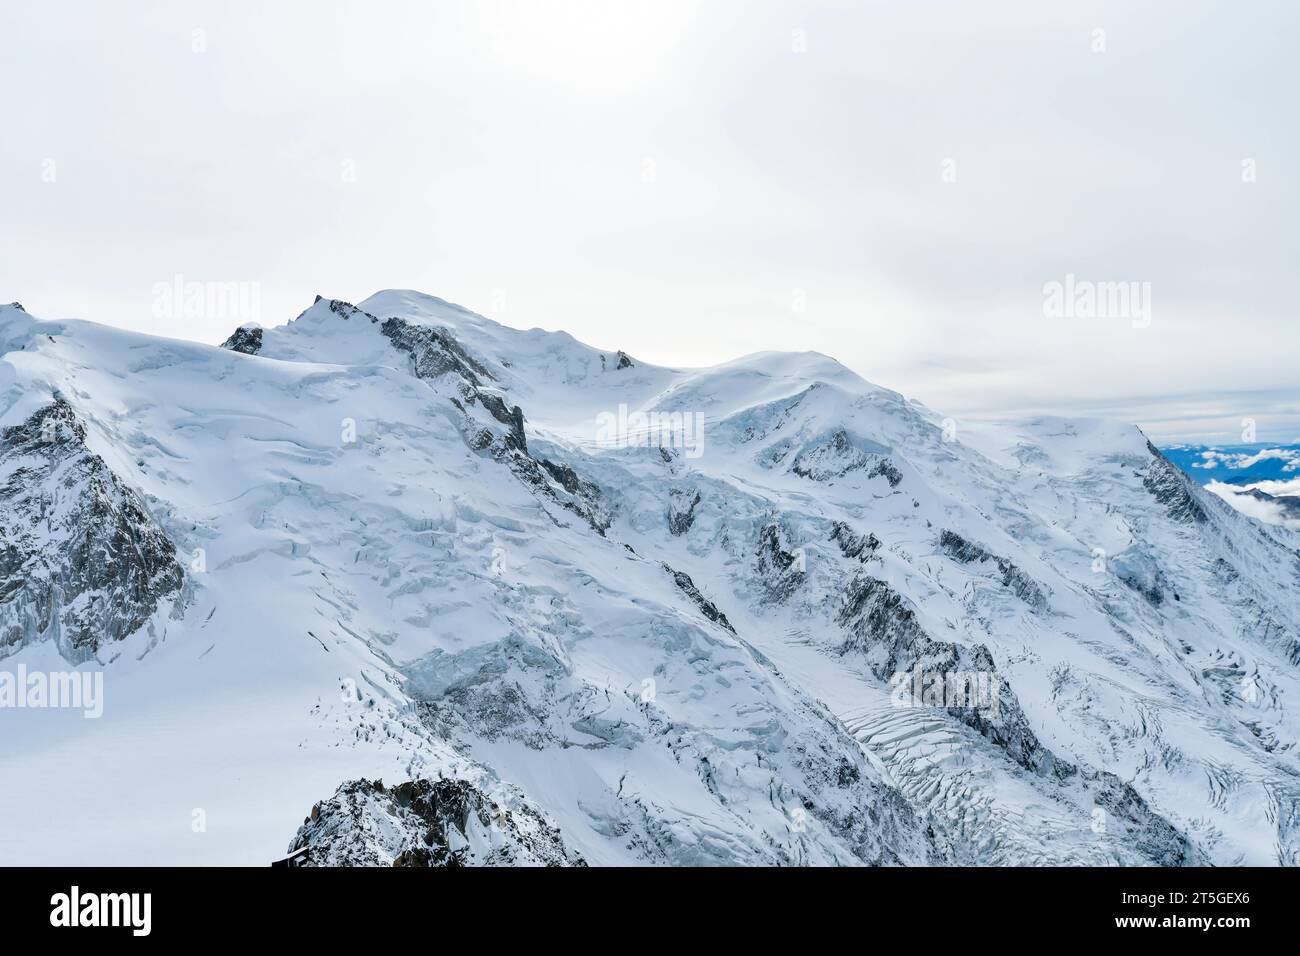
[{"x": 408, "y": 551}]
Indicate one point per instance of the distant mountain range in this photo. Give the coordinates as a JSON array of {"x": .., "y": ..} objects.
[
  {"x": 1237, "y": 464},
  {"x": 1261, "y": 480}
]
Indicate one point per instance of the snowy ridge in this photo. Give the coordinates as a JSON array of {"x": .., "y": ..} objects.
[{"x": 401, "y": 548}]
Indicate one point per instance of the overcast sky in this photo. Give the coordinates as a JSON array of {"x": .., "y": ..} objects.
[{"x": 892, "y": 184}]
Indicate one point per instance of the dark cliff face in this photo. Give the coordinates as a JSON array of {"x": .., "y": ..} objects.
[
  {"x": 82, "y": 562},
  {"x": 1169, "y": 486}
]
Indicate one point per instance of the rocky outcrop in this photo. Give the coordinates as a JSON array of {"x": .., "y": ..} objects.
[
  {"x": 838, "y": 454},
  {"x": 707, "y": 607},
  {"x": 621, "y": 361},
  {"x": 570, "y": 480},
  {"x": 853, "y": 545},
  {"x": 682, "y": 503},
  {"x": 510, "y": 416},
  {"x": 780, "y": 566},
  {"x": 1173, "y": 489},
  {"x": 425, "y": 823},
  {"x": 434, "y": 352},
  {"x": 82, "y": 562},
  {"x": 346, "y": 310},
  {"x": 246, "y": 339},
  {"x": 1017, "y": 581}
]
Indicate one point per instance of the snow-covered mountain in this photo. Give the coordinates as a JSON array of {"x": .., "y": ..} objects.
[{"x": 447, "y": 592}]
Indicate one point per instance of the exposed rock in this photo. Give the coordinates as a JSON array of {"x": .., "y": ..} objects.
[
  {"x": 569, "y": 479},
  {"x": 707, "y": 607},
  {"x": 961, "y": 550},
  {"x": 346, "y": 310},
  {"x": 434, "y": 352},
  {"x": 886, "y": 469},
  {"x": 838, "y": 454},
  {"x": 780, "y": 570},
  {"x": 246, "y": 339},
  {"x": 681, "y": 510},
  {"x": 968, "y": 552},
  {"x": 82, "y": 562},
  {"x": 426, "y": 823},
  {"x": 852, "y": 545},
  {"x": 512, "y": 416},
  {"x": 558, "y": 483},
  {"x": 1173, "y": 489}
]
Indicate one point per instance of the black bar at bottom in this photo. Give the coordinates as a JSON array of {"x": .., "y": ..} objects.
[{"x": 306, "y": 905}]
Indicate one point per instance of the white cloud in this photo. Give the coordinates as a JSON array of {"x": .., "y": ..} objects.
[
  {"x": 1267, "y": 511},
  {"x": 1278, "y": 488},
  {"x": 1213, "y": 458},
  {"x": 661, "y": 177}
]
